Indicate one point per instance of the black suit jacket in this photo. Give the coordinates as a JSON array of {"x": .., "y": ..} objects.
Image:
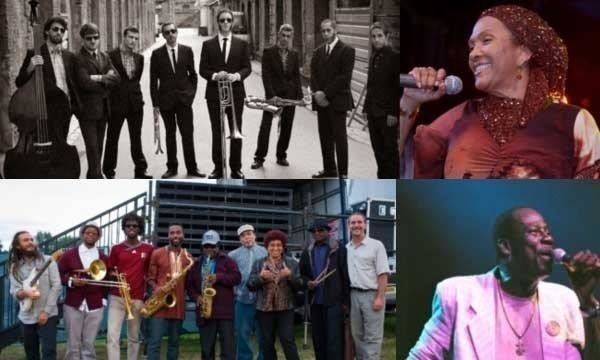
[
  {"x": 95, "y": 95},
  {"x": 276, "y": 82},
  {"x": 332, "y": 74},
  {"x": 50, "y": 77},
  {"x": 383, "y": 90},
  {"x": 128, "y": 95},
  {"x": 211, "y": 61},
  {"x": 167, "y": 86}
]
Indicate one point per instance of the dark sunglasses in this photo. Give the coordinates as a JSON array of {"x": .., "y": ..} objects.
[
  {"x": 224, "y": 20},
  {"x": 172, "y": 31},
  {"x": 132, "y": 226},
  {"x": 319, "y": 230},
  {"x": 57, "y": 29},
  {"x": 209, "y": 246},
  {"x": 94, "y": 37}
]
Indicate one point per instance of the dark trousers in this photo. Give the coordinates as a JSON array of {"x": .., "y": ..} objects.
[
  {"x": 93, "y": 136},
  {"x": 327, "y": 323},
  {"x": 208, "y": 337},
  {"x": 235, "y": 148},
  {"x": 279, "y": 323},
  {"x": 285, "y": 132},
  {"x": 384, "y": 141},
  {"x": 134, "y": 124},
  {"x": 35, "y": 334},
  {"x": 181, "y": 116},
  {"x": 158, "y": 328},
  {"x": 334, "y": 141}
]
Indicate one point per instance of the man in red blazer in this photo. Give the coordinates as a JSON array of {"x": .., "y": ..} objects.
[
  {"x": 225, "y": 57},
  {"x": 84, "y": 303}
]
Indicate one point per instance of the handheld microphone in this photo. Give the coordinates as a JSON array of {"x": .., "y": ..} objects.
[
  {"x": 453, "y": 83},
  {"x": 562, "y": 257}
]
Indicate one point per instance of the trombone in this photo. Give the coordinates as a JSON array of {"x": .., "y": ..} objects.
[{"x": 225, "y": 102}]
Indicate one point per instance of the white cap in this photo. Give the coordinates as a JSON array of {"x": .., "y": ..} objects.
[
  {"x": 210, "y": 237},
  {"x": 243, "y": 228}
]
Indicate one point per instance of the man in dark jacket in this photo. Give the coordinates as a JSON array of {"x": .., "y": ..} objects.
[
  {"x": 281, "y": 79},
  {"x": 126, "y": 101},
  {"x": 95, "y": 73},
  {"x": 381, "y": 103},
  {"x": 218, "y": 271},
  {"x": 330, "y": 76},
  {"x": 324, "y": 267}
]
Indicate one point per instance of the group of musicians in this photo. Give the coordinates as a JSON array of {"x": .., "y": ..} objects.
[
  {"x": 104, "y": 89},
  {"x": 250, "y": 290}
]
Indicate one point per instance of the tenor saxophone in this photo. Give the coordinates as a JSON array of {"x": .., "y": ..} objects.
[
  {"x": 208, "y": 293},
  {"x": 165, "y": 296}
]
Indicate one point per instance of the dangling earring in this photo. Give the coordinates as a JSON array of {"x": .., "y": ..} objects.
[{"x": 519, "y": 72}]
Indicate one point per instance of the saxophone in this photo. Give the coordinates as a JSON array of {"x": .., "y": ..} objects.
[
  {"x": 208, "y": 293},
  {"x": 165, "y": 296}
]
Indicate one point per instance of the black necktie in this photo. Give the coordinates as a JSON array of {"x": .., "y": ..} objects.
[
  {"x": 174, "y": 61},
  {"x": 224, "y": 49},
  {"x": 327, "y": 50}
]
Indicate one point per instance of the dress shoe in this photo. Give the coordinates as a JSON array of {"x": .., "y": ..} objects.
[
  {"x": 283, "y": 162},
  {"x": 237, "y": 174},
  {"x": 257, "y": 164},
  {"x": 142, "y": 175},
  {"x": 109, "y": 176},
  {"x": 169, "y": 174},
  {"x": 215, "y": 175},
  {"x": 323, "y": 174},
  {"x": 196, "y": 173}
]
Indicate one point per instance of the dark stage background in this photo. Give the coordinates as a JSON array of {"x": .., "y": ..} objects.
[
  {"x": 435, "y": 33},
  {"x": 445, "y": 229}
]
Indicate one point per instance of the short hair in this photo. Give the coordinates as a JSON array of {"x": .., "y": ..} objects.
[
  {"x": 331, "y": 21},
  {"x": 362, "y": 214},
  {"x": 275, "y": 235},
  {"x": 505, "y": 227},
  {"x": 132, "y": 216},
  {"x": 224, "y": 10},
  {"x": 132, "y": 29},
  {"x": 162, "y": 27},
  {"x": 55, "y": 19},
  {"x": 88, "y": 29},
  {"x": 379, "y": 25},
  {"x": 285, "y": 27}
]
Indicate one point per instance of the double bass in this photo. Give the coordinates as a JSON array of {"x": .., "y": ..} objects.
[{"x": 40, "y": 152}]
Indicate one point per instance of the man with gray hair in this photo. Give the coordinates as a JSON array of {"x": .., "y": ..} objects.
[
  {"x": 281, "y": 79},
  {"x": 245, "y": 300}
]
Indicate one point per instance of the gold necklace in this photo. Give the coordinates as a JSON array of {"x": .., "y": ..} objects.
[{"x": 520, "y": 350}]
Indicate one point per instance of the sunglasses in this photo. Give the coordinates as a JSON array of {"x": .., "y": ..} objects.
[
  {"x": 94, "y": 37},
  {"x": 132, "y": 226},
  {"x": 57, "y": 29},
  {"x": 224, "y": 20},
  {"x": 320, "y": 230},
  {"x": 172, "y": 31},
  {"x": 209, "y": 246}
]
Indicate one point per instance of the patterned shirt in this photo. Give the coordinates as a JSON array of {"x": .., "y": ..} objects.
[{"x": 128, "y": 61}]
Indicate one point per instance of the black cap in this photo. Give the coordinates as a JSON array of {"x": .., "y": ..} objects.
[{"x": 319, "y": 224}]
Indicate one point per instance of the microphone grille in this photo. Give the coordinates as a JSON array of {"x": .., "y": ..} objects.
[
  {"x": 558, "y": 254},
  {"x": 454, "y": 85}
]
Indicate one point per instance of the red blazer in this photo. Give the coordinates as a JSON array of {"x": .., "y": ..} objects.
[{"x": 93, "y": 294}]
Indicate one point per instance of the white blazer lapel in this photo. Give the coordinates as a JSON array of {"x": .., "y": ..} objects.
[{"x": 482, "y": 326}]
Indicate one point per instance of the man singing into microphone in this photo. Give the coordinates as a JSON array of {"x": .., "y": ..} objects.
[{"x": 510, "y": 312}]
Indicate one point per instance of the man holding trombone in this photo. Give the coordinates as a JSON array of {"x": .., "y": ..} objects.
[
  {"x": 130, "y": 258},
  {"x": 225, "y": 63},
  {"x": 281, "y": 79}
]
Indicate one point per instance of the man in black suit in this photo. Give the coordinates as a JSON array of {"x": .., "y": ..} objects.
[
  {"x": 58, "y": 75},
  {"x": 95, "y": 74},
  {"x": 173, "y": 83},
  {"x": 126, "y": 102},
  {"x": 381, "y": 103},
  {"x": 225, "y": 57},
  {"x": 331, "y": 72},
  {"x": 281, "y": 79}
]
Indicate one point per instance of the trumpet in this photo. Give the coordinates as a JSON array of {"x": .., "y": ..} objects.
[{"x": 225, "y": 102}]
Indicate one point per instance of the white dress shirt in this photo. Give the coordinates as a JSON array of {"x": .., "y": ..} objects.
[
  {"x": 169, "y": 52},
  {"x": 227, "y": 51},
  {"x": 87, "y": 256}
]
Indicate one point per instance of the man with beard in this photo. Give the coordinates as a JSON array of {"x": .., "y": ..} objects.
[
  {"x": 324, "y": 267},
  {"x": 126, "y": 101},
  {"x": 58, "y": 74},
  {"x": 214, "y": 269},
  {"x": 131, "y": 258},
  {"x": 281, "y": 79},
  {"x": 510, "y": 312},
  {"x": 95, "y": 74},
  {"x": 225, "y": 57},
  {"x": 368, "y": 271},
  {"x": 84, "y": 303},
  {"x": 39, "y": 323},
  {"x": 165, "y": 263}
]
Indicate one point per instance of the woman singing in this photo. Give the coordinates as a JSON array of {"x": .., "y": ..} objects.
[{"x": 519, "y": 128}]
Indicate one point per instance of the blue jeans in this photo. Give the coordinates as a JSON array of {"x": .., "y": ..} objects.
[
  {"x": 158, "y": 328},
  {"x": 245, "y": 323}
]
